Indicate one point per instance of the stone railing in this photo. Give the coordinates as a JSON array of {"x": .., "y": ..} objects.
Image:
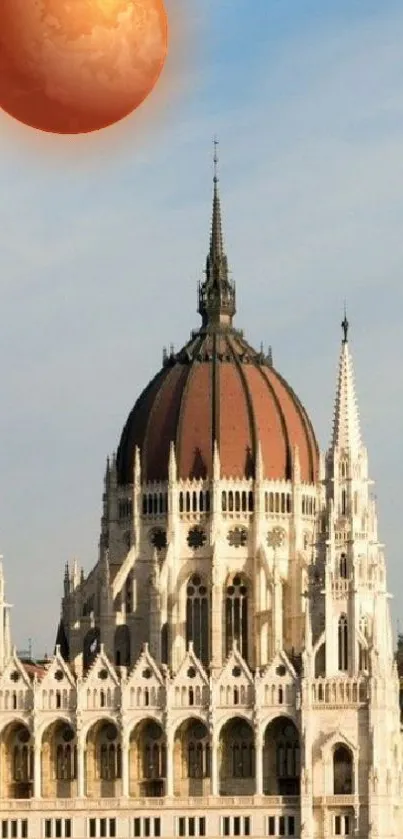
[{"x": 339, "y": 692}]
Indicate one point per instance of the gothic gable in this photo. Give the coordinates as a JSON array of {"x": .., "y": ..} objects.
[
  {"x": 100, "y": 688},
  {"x": 280, "y": 668},
  {"x": 57, "y": 688},
  {"x": 277, "y": 687},
  {"x": 144, "y": 687},
  {"x": 234, "y": 686},
  {"x": 16, "y": 689},
  {"x": 190, "y": 687}
]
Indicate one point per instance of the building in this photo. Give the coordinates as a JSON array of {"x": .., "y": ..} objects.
[{"x": 227, "y": 666}]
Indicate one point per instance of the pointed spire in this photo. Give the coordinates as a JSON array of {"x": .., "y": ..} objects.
[
  {"x": 296, "y": 466},
  {"x": 137, "y": 467},
  {"x": 217, "y": 292},
  {"x": 216, "y": 463},
  {"x": 346, "y": 425},
  {"x": 259, "y": 470},
  {"x": 172, "y": 466}
]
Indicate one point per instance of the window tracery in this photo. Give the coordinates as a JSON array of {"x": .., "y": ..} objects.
[
  {"x": 343, "y": 643},
  {"x": 236, "y": 615},
  {"x": 197, "y": 617}
]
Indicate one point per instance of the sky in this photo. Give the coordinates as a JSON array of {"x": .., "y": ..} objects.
[{"x": 103, "y": 240}]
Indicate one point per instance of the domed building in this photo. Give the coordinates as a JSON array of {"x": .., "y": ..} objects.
[{"x": 226, "y": 668}]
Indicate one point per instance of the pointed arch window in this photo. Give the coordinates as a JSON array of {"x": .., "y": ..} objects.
[
  {"x": 343, "y": 566},
  {"x": 236, "y": 616},
  {"x": 342, "y": 771},
  {"x": 22, "y": 757},
  {"x": 198, "y": 752},
  {"x": 197, "y": 617},
  {"x": 343, "y": 643}
]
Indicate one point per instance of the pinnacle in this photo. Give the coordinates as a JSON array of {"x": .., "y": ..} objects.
[{"x": 346, "y": 426}]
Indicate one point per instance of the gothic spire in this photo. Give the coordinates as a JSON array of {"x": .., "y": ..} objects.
[
  {"x": 217, "y": 292},
  {"x": 346, "y": 425}
]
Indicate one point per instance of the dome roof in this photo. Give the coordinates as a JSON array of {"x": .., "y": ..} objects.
[{"x": 217, "y": 388}]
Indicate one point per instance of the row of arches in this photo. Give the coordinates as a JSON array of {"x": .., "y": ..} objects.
[{"x": 191, "y": 760}]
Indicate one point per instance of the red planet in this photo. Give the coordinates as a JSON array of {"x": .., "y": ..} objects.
[{"x": 76, "y": 66}]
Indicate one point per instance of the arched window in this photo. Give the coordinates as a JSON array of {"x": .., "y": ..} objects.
[
  {"x": 165, "y": 644},
  {"x": 343, "y": 503},
  {"x": 244, "y": 504},
  {"x": 66, "y": 755},
  {"x": 237, "y": 502},
  {"x": 122, "y": 646},
  {"x": 243, "y": 759},
  {"x": 224, "y": 502},
  {"x": 343, "y": 566},
  {"x": 236, "y": 615},
  {"x": 154, "y": 752},
  {"x": 197, "y": 617},
  {"x": 343, "y": 642},
  {"x": 188, "y": 502},
  {"x": 194, "y": 502},
  {"x": 181, "y": 502},
  {"x": 198, "y": 752},
  {"x": 110, "y": 755},
  {"x": 362, "y": 658},
  {"x": 288, "y": 755},
  {"x": 22, "y": 758},
  {"x": 231, "y": 502},
  {"x": 342, "y": 771}
]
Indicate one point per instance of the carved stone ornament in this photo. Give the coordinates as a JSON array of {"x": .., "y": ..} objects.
[
  {"x": 238, "y": 537},
  {"x": 276, "y": 537},
  {"x": 196, "y": 538},
  {"x": 158, "y": 538}
]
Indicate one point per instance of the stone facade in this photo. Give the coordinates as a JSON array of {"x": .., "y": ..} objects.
[{"x": 226, "y": 668}]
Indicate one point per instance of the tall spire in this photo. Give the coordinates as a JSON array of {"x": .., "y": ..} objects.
[
  {"x": 346, "y": 426},
  {"x": 217, "y": 292}
]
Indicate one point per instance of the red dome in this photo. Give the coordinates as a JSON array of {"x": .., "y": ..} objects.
[{"x": 217, "y": 388}]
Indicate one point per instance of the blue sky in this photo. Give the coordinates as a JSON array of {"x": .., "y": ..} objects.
[{"x": 103, "y": 239}]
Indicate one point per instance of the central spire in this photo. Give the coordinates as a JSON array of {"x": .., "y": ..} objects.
[{"x": 217, "y": 292}]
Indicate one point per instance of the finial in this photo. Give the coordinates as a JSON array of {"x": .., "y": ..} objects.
[
  {"x": 345, "y": 325},
  {"x": 215, "y": 159}
]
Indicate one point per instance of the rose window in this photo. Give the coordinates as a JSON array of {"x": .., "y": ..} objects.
[
  {"x": 238, "y": 537},
  {"x": 196, "y": 538}
]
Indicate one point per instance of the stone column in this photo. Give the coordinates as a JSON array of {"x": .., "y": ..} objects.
[
  {"x": 80, "y": 768},
  {"x": 258, "y": 762},
  {"x": 37, "y": 769},
  {"x": 125, "y": 766},
  {"x": 217, "y": 620},
  {"x": 215, "y": 747},
  {"x": 170, "y": 764}
]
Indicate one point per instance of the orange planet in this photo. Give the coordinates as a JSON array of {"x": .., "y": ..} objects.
[{"x": 75, "y": 66}]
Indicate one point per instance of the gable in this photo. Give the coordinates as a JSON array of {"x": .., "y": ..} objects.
[
  {"x": 144, "y": 687},
  {"x": 16, "y": 689}
]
